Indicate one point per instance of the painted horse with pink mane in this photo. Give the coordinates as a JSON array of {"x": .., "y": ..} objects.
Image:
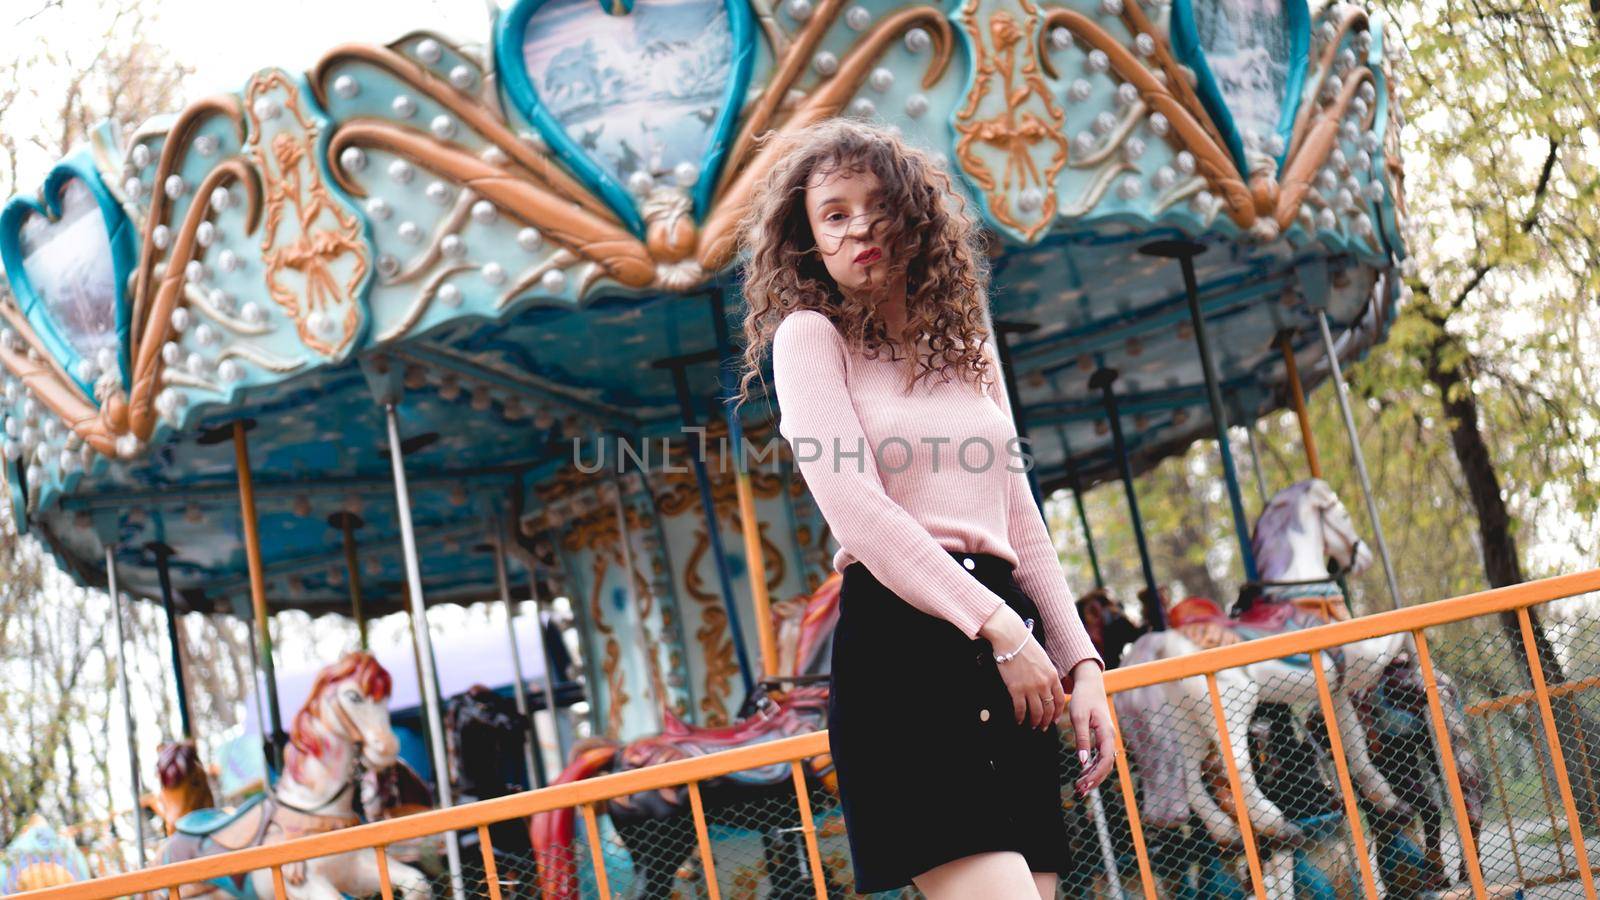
[
  {"x": 342, "y": 731},
  {"x": 657, "y": 826}
]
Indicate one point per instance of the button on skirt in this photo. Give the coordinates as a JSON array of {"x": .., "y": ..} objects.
[{"x": 931, "y": 763}]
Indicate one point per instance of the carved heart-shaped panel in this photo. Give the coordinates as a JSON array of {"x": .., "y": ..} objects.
[
  {"x": 1250, "y": 57},
  {"x": 67, "y": 256},
  {"x": 633, "y": 97}
]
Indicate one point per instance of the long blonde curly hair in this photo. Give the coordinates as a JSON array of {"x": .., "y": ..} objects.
[{"x": 928, "y": 239}]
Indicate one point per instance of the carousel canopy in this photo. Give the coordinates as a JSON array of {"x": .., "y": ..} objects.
[{"x": 522, "y": 241}]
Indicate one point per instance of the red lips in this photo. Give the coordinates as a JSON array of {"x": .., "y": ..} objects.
[{"x": 871, "y": 255}]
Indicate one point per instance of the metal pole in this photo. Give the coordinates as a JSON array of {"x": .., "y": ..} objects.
[
  {"x": 419, "y": 627},
  {"x": 1077, "y": 496},
  {"x": 544, "y": 658},
  {"x": 1361, "y": 460},
  {"x": 1184, "y": 252},
  {"x": 1297, "y": 396},
  {"x": 534, "y": 763},
  {"x": 1255, "y": 463},
  {"x": 347, "y": 523},
  {"x": 708, "y": 509},
  {"x": 163, "y": 553},
  {"x": 1020, "y": 421},
  {"x": 1103, "y": 380},
  {"x": 258, "y": 589},
  {"x": 127, "y": 702}
]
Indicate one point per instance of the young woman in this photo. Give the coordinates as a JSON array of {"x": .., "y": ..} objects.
[{"x": 957, "y": 639}]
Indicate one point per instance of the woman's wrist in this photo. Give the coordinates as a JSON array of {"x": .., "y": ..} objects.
[{"x": 1003, "y": 627}]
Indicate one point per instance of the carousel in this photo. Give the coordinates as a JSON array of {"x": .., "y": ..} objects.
[{"x": 452, "y": 319}]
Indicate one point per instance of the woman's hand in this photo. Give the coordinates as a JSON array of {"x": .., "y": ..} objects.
[
  {"x": 1090, "y": 713},
  {"x": 1030, "y": 676}
]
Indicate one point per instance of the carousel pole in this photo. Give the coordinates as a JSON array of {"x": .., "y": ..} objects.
[
  {"x": 530, "y": 757},
  {"x": 1297, "y": 396},
  {"x": 347, "y": 523},
  {"x": 163, "y": 553},
  {"x": 424, "y": 640},
  {"x": 1184, "y": 252},
  {"x": 1077, "y": 497},
  {"x": 1255, "y": 463},
  {"x": 1014, "y": 397},
  {"x": 258, "y": 588},
  {"x": 749, "y": 524},
  {"x": 126, "y": 694},
  {"x": 1342, "y": 393},
  {"x": 544, "y": 656},
  {"x": 708, "y": 509},
  {"x": 1102, "y": 380}
]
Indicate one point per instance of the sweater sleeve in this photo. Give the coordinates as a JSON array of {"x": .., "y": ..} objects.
[
  {"x": 1038, "y": 570},
  {"x": 818, "y": 418}
]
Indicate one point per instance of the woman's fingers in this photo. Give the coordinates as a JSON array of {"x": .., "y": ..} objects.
[
  {"x": 1081, "y": 737},
  {"x": 1105, "y": 752}
]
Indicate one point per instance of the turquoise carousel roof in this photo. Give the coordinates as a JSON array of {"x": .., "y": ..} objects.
[{"x": 509, "y": 236}]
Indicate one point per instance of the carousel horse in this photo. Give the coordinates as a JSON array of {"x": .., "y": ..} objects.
[
  {"x": 484, "y": 730},
  {"x": 185, "y": 786},
  {"x": 658, "y": 827},
  {"x": 1399, "y": 729},
  {"x": 342, "y": 729},
  {"x": 1169, "y": 726}
]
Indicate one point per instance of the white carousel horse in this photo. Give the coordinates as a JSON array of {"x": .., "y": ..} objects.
[
  {"x": 1170, "y": 727},
  {"x": 342, "y": 729}
]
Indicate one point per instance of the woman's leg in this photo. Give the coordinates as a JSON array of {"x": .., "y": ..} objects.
[
  {"x": 1046, "y": 883},
  {"x": 1001, "y": 874}
]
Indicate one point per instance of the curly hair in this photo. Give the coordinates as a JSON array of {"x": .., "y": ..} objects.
[{"x": 928, "y": 239}]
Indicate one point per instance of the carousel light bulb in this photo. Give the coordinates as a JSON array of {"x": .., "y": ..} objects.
[
  {"x": 1083, "y": 143},
  {"x": 161, "y": 236},
  {"x": 84, "y": 370},
  {"x": 387, "y": 265},
  {"x": 863, "y": 108},
  {"x": 68, "y": 462},
  {"x": 105, "y": 359},
  {"x": 1079, "y": 90},
  {"x": 195, "y": 271},
  {"x": 1060, "y": 38},
  {"x": 461, "y": 77},
  {"x": 530, "y": 239},
  {"x": 180, "y": 319},
  {"x": 133, "y": 187},
  {"x": 1275, "y": 144},
  {"x": 409, "y": 232},
  {"x": 379, "y": 209},
  {"x": 127, "y": 446},
  {"x": 50, "y": 427},
  {"x": 140, "y": 155},
  {"x": 230, "y": 371},
  {"x": 228, "y": 261},
  {"x": 1185, "y": 162},
  {"x": 453, "y": 246},
  {"x": 1326, "y": 220},
  {"x": 881, "y": 79},
  {"x": 205, "y": 145},
  {"x": 686, "y": 173},
  {"x": 353, "y": 159},
  {"x": 825, "y": 63},
  {"x": 1374, "y": 191},
  {"x": 1133, "y": 148},
  {"x": 345, "y": 87},
  {"x": 449, "y": 295},
  {"x": 1111, "y": 7},
  {"x": 173, "y": 187},
  {"x": 494, "y": 273},
  {"x": 1030, "y": 200},
  {"x": 484, "y": 213},
  {"x": 35, "y": 474},
  {"x": 1370, "y": 143},
  {"x": 858, "y": 18},
  {"x": 196, "y": 364},
  {"x": 1203, "y": 203},
  {"x": 171, "y": 353},
  {"x": 554, "y": 281},
  {"x": 798, "y": 10},
  {"x": 316, "y": 323},
  {"x": 1165, "y": 177},
  {"x": 205, "y": 233},
  {"x": 429, "y": 51},
  {"x": 252, "y": 314},
  {"x": 1104, "y": 121},
  {"x": 401, "y": 172},
  {"x": 403, "y": 106},
  {"x": 266, "y": 108},
  {"x": 1097, "y": 61},
  {"x": 443, "y": 127},
  {"x": 640, "y": 182},
  {"x": 168, "y": 403},
  {"x": 13, "y": 427},
  {"x": 1145, "y": 44},
  {"x": 916, "y": 106},
  {"x": 220, "y": 199},
  {"x": 1127, "y": 94},
  {"x": 439, "y": 192},
  {"x": 1129, "y": 187},
  {"x": 918, "y": 40}
]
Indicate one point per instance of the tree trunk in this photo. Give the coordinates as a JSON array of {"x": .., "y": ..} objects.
[{"x": 1502, "y": 562}]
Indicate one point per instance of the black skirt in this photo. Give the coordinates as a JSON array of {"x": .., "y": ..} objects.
[{"x": 931, "y": 763}]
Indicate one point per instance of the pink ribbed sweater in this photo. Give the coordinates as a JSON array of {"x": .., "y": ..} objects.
[{"x": 915, "y": 475}]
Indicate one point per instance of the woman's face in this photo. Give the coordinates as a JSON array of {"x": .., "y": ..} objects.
[{"x": 846, "y": 209}]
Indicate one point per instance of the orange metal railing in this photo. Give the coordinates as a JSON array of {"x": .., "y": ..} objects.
[{"x": 588, "y": 797}]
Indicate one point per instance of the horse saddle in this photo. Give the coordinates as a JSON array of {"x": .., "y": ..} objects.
[
  {"x": 204, "y": 832},
  {"x": 1204, "y": 623}
]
